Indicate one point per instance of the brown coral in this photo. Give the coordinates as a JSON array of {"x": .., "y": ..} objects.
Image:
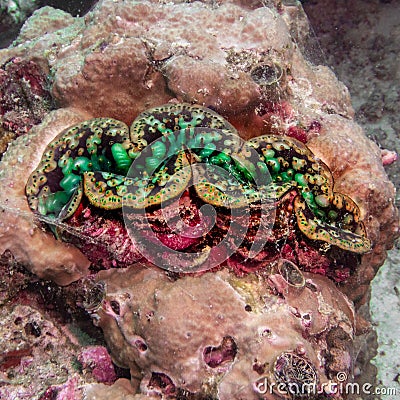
[{"x": 218, "y": 333}]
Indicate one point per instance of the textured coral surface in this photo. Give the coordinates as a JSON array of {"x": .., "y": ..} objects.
[
  {"x": 24, "y": 95},
  {"x": 93, "y": 72},
  {"x": 221, "y": 334},
  {"x": 218, "y": 335}
]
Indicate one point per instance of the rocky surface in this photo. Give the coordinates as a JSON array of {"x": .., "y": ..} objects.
[
  {"x": 91, "y": 63},
  {"x": 44, "y": 352},
  {"x": 221, "y": 336},
  {"x": 246, "y": 62},
  {"x": 13, "y": 13},
  {"x": 360, "y": 45}
]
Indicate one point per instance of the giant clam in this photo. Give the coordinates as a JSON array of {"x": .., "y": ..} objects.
[{"x": 159, "y": 157}]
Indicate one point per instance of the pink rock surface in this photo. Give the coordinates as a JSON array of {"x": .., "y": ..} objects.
[
  {"x": 97, "y": 361},
  {"x": 219, "y": 333},
  {"x": 118, "y": 66},
  {"x": 388, "y": 157}
]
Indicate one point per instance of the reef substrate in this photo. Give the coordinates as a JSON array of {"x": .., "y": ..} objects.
[{"x": 229, "y": 330}]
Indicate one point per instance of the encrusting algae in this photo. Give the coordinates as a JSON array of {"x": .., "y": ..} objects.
[{"x": 199, "y": 193}]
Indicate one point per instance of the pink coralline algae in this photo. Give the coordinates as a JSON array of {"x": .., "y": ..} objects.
[
  {"x": 24, "y": 95},
  {"x": 68, "y": 390},
  {"x": 388, "y": 157},
  {"x": 96, "y": 361},
  {"x": 105, "y": 241},
  {"x": 225, "y": 353}
]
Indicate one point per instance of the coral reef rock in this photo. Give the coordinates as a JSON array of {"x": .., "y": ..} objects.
[
  {"x": 224, "y": 335},
  {"x": 35, "y": 352}
]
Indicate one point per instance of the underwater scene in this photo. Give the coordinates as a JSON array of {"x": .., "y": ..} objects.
[{"x": 199, "y": 200}]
